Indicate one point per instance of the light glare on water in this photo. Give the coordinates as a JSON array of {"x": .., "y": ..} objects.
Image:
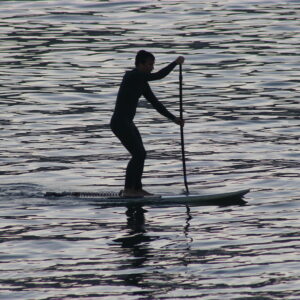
[{"x": 61, "y": 63}]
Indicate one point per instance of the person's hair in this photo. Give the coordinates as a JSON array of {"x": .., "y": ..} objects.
[{"x": 142, "y": 56}]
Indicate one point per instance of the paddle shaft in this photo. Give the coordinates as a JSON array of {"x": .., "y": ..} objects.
[{"x": 181, "y": 130}]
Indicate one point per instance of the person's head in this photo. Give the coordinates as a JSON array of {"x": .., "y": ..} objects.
[{"x": 144, "y": 61}]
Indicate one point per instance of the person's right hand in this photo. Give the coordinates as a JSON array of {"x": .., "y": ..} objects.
[
  {"x": 179, "y": 122},
  {"x": 180, "y": 60}
]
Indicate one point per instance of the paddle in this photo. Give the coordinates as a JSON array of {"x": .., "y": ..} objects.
[{"x": 181, "y": 130}]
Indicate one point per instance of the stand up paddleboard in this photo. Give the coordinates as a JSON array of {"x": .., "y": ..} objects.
[{"x": 114, "y": 199}]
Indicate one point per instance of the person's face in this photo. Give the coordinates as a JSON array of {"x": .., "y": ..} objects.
[{"x": 148, "y": 66}]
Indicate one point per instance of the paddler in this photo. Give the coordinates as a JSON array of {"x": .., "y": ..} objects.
[{"x": 133, "y": 86}]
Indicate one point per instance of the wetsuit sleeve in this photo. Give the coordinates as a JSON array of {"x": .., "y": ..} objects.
[
  {"x": 161, "y": 73},
  {"x": 148, "y": 94}
]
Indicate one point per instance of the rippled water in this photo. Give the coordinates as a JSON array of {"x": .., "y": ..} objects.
[{"x": 61, "y": 63}]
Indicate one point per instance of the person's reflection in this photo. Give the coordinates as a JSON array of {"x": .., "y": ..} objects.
[{"x": 136, "y": 242}]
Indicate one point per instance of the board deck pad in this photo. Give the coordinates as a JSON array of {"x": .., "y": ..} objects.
[{"x": 116, "y": 199}]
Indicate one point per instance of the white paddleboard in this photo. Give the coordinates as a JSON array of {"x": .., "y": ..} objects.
[{"x": 112, "y": 199}]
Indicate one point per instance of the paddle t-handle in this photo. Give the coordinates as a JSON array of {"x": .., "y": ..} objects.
[{"x": 181, "y": 131}]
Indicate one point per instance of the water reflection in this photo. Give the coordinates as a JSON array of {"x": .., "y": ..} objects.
[
  {"x": 136, "y": 226},
  {"x": 135, "y": 242}
]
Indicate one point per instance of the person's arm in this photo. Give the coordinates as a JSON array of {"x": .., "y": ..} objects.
[
  {"x": 165, "y": 71},
  {"x": 148, "y": 94},
  {"x": 161, "y": 73}
]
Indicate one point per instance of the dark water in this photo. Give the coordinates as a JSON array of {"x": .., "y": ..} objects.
[{"x": 61, "y": 63}]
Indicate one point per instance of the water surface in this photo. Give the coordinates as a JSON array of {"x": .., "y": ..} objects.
[{"x": 61, "y": 63}]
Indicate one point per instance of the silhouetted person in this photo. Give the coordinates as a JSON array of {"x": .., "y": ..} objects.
[{"x": 133, "y": 86}]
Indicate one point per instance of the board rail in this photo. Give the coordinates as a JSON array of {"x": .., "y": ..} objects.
[{"x": 113, "y": 198}]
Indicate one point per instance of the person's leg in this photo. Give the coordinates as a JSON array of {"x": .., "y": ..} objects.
[
  {"x": 130, "y": 137},
  {"x": 135, "y": 167}
]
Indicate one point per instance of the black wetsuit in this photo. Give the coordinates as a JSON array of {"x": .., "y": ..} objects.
[{"x": 133, "y": 86}]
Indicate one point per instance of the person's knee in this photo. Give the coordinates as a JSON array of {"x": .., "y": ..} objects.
[
  {"x": 140, "y": 155},
  {"x": 144, "y": 154}
]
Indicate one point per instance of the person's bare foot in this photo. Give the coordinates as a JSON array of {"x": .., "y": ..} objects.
[
  {"x": 145, "y": 193},
  {"x": 136, "y": 193},
  {"x": 132, "y": 193}
]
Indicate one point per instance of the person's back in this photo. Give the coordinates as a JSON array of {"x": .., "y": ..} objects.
[{"x": 131, "y": 89}]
